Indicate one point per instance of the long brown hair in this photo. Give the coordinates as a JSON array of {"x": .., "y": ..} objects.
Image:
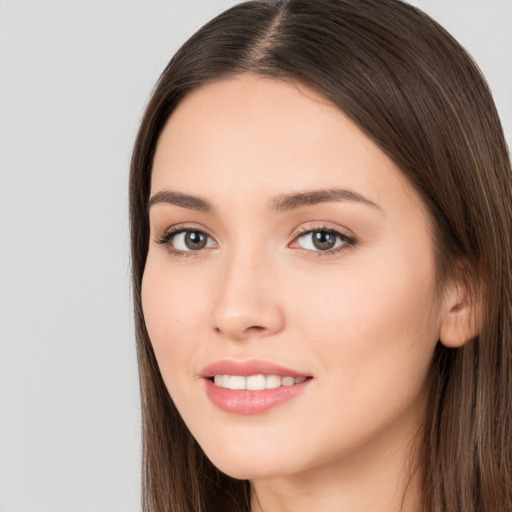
[{"x": 419, "y": 96}]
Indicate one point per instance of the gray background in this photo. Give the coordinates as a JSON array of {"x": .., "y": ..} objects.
[{"x": 74, "y": 77}]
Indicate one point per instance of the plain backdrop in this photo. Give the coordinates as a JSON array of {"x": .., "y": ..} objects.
[{"x": 74, "y": 78}]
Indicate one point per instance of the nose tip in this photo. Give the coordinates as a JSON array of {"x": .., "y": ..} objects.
[
  {"x": 239, "y": 325},
  {"x": 246, "y": 305}
]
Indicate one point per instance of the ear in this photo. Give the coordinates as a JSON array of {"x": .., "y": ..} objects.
[{"x": 462, "y": 313}]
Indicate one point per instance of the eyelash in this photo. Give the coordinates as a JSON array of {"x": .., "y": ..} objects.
[
  {"x": 347, "y": 241},
  {"x": 168, "y": 236}
]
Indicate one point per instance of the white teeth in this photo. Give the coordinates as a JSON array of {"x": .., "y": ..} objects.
[
  {"x": 255, "y": 382},
  {"x": 237, "y": 382},
  {"x": 288, "y": 381},
  {"x": 272, "y": 381}
]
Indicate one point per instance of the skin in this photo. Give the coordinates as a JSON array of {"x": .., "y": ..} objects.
[{"x": 362, "y": 321}]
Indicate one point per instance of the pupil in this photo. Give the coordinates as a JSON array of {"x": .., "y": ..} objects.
[
  {"x": 324, "y": 240},
  {"x": 195, "y": 240}
]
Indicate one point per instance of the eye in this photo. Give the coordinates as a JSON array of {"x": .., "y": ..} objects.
[
  {"x": 186, "y": 240},
  {"x": 323, "y": 240}
]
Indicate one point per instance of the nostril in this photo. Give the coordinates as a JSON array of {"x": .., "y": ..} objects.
[{"x": 238, "y": 319}]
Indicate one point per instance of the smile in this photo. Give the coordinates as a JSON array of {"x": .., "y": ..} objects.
[
  {"x": 252, "y": 386},
  {"x": 255, "y": 382}
]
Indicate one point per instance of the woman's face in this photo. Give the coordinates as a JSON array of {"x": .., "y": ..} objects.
[{"x": 289, "y": 289}]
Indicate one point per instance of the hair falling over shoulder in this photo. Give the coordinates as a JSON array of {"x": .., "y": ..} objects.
[{"x": 419, "y": 96}]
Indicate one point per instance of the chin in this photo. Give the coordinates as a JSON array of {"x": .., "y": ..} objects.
[
  {"x": 249, "y": 470},
  {"x": 252, "y": 463}
]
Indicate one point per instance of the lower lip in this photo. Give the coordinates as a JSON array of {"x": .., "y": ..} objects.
[{"x": 252, "y": 402}]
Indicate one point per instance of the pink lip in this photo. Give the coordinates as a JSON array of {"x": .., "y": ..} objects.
[
  {"x": 250, "y": 402},
  {"x": 250, "y": 367}
]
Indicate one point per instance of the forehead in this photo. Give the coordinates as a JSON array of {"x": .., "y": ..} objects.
[{"x": 251, "y": 137}]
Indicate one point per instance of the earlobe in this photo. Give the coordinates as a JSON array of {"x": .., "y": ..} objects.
[{"x": 462, "y": 316}]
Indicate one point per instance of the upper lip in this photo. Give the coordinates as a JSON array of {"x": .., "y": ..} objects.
[{"x": 248, "y": 367}]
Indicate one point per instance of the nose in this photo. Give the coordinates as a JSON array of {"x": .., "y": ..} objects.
[{"x": 246, "y": 303}]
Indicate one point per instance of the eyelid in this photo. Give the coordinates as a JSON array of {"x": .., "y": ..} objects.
[
  {"x": 344, "y": 234},
  {"x": 172, "y": 231},
  {"x": 348, "y": 239}
]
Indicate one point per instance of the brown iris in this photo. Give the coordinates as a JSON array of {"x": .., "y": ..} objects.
[
  {"x": 324, "y": 240},
  {"x": 195, "y": 240}
]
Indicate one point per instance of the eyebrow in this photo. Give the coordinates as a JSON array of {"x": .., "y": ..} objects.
[
  {"x": 281, "y": 203},
  {"x": 301, "y": 199},
  {"x": 182, "y": 200}
]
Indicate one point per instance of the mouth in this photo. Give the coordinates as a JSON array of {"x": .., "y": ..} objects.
[
  {"x": 252, "y": 387},
  {"x": 255, "y": 382}
]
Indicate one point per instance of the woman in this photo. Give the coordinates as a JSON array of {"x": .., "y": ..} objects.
[{"x": 320, "y": 209}]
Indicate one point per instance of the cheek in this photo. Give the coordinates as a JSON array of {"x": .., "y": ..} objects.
[
  {"x": 172, "y": 296},
  {"x": 173, "y": 311},
  {"x": 378, "y": 321}
]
